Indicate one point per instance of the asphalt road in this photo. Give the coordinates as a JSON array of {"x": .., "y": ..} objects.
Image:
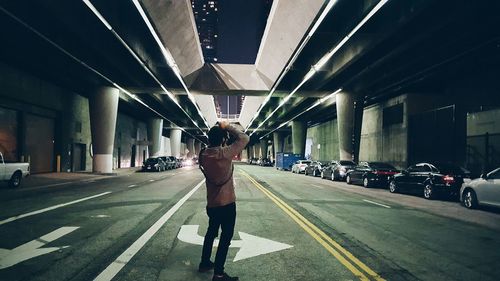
[{"x": 148, "y": 226}]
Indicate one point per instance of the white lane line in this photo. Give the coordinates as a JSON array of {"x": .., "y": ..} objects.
[
  {"x": 51, "y": 208},
  {"x": 132, "y": 185},
  {"x": 112, "y": 270},
  {"x": 378, "y": 204},
  {"x": 317, "y": 186}
]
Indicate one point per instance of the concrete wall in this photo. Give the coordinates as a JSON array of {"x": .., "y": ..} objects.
[
  {"x": 326, "y": 135},
  {"x": 390, "y": 144},
  {"x": 480, "y": 123},
  {"x": 30, "y": 95}
]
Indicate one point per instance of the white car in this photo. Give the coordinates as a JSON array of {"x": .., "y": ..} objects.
[
  {"x": 482, "y": 191},
  {"x": 300, "y": 166},
  {"x": 13, "y": 172}
]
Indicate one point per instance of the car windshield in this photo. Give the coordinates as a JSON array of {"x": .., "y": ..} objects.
[
  {"x": 379, "y": 165},
  {"x": 346, "y": 163},
  {"x": 152, "y": 161},
  {"x": 306, "y": 162}
]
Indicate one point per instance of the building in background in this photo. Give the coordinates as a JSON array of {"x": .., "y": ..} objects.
[{"x": 206, "y": 17}]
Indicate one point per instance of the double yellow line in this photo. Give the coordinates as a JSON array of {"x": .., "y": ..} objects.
[{"x": 347, "y": 259}]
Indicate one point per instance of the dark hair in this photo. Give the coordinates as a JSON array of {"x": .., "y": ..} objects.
[{"x": 216, "y": 136}]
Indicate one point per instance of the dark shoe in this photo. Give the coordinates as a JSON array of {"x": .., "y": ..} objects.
[
  {"x": 225, "y": 277},
  {"x": 205, "y": 267}
]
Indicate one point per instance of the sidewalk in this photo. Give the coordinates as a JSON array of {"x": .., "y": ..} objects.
[{"x": 57, "y": 179}]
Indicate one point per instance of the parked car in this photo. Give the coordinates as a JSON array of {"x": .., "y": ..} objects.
[
  {"x": 337, "y": 170},
  {"x": 482, "y": 191},
  {"x": 169, "y": 162},
  {"x": 371, "y": 174},
  {"x": 265, "y": 162},
  {"x": 154, "y": 164},
  {"x": 430, "y": 180},
  {"x": 13, "y": 172},
  {"x": 252, "y": 161},
  {"x": 300, "y": 166},
  {"x": 314, "y": 169}
]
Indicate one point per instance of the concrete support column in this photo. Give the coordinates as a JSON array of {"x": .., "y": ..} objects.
[
  {"x": 244, "y": 155},
  {"x": 349, "y": 121},
  {"x": 277, "y": 143},
  {"x": 263, "y": 148},
  {"x": 103, "y": 107},
  {"x": 190, "y": 147},
  {"x": 175, "y": 142},
  {"x": 155, "y": 129},
  {"x": 254, "y": 151},
  {"x": 299, "y": 130},
  {"x": 197, "y": 148}
]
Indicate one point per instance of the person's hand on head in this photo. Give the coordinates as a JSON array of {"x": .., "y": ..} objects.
[{"x": 223, "y": 124}]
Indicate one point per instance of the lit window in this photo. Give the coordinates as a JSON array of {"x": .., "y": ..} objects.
[
  {"x": 215, "y": 59},
  {"x": 215, "y": 9},
  {"x": 215, "y": 35}
]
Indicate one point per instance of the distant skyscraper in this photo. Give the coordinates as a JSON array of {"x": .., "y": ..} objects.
[{"x": 205, "y": 15}]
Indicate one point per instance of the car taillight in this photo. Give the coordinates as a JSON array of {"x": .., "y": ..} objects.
[{"x": 448, "y": 179}]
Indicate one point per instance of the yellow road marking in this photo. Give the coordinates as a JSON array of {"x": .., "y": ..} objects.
[{"x": 326, "y": 241}]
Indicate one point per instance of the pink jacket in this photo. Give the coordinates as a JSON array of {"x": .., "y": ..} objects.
[{"x": 218, "y": 166}]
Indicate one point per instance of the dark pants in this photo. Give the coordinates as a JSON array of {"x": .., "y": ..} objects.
[{"x": 225, "y": 217}]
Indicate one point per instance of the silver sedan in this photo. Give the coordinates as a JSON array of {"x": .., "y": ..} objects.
[{"x": 482, "y": 191}]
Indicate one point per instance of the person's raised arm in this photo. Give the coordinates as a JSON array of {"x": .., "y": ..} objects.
[{"x": 241, "y": 139}]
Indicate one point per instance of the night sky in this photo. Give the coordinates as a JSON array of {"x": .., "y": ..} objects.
[{"x": 241, "y": 25}]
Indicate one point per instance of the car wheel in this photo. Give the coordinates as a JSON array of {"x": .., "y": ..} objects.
[
  {"x": 15, "y": 180},
  {"x": 305, "y": 172},
  {"x": 332, "y": 176},
  {"x": 348, "y": 179},
  {"x": 428, "y": 191},
  {"x": 470, "y": 199},
  {"x": 393, "y": 187},
  {"x": 322, "y": 175},
  {"x": 366, "y": 183},
  {"x": 315, "y": 174}
]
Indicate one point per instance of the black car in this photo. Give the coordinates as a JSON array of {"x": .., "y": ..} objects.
[
  {"x": 153, "y": 164},
  {"x": 314, "y": 168},
  {"x": 430, "y": 180},
  {"x": 265, "y": 162},
  {"x": 337, "y": 170},
  {"x": 371, "y": 174},
  {"x": 252, "y": 160}
]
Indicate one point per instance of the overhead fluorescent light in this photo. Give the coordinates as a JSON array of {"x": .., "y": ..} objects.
[
  {"x": 94, "y": 10},
  {"x": 325, "y": 12}
]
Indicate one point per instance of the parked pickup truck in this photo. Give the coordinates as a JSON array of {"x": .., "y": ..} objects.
[{"x": 13, "y": 172}]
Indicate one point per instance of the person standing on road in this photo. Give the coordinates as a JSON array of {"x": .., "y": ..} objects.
[{"x": 216, "y": 164}]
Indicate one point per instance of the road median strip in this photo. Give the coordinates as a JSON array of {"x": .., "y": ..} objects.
[{"x": 340, "y": 253}]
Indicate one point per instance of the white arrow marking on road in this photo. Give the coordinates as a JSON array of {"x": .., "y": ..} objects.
[
  {"x": 250, "y": 245},
  {"x": 32, "y": 249}
]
